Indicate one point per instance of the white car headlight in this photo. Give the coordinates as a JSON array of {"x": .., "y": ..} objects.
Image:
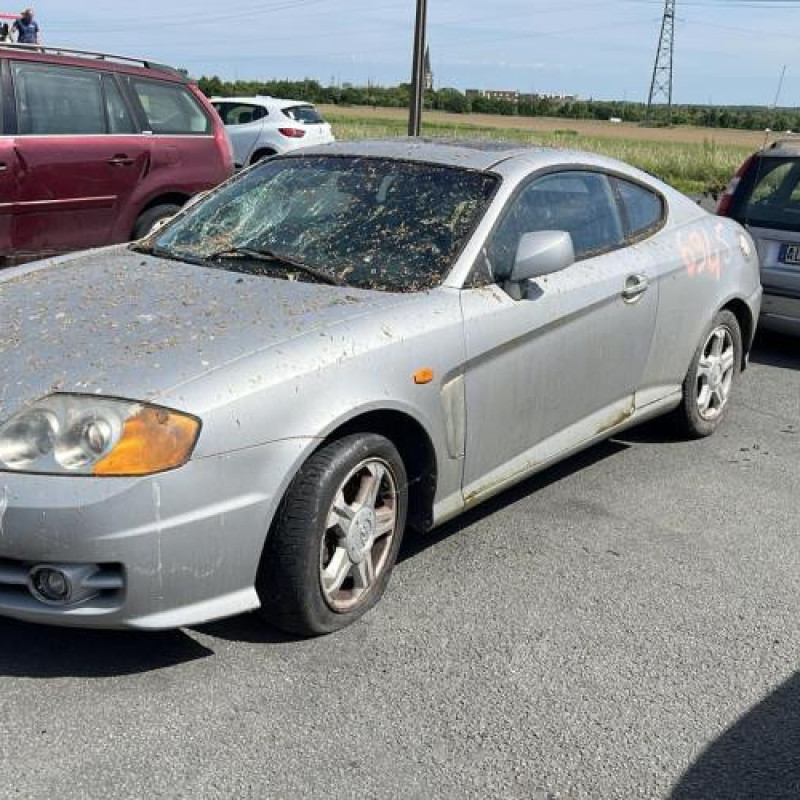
[{"x": 67, "y": 434}]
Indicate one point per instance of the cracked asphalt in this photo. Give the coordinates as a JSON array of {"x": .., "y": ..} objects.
[{"x": 621, "y": 626}]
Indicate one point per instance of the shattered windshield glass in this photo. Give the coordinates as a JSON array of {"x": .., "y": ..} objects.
[{"x": 366, "y": 222}]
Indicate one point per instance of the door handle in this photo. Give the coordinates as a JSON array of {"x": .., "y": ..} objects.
[
  {"x": 635, "y": 287},
  {"x": 3, "y": 166},
  {"x": 120, "y": 161}
]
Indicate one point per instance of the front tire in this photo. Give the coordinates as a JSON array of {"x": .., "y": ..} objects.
[
  {"x": 335, "y": 540},
  {"x": 149, "y": 220},
  {"x": 708, "y": 386}
]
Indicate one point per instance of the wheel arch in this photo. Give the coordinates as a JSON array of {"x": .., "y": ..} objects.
[
  {"x": 416, "y": 449},
  {"x": 412, "y": 441},
  {"x": 744, "y": 316},
  {"x": 262, "y": 152},
  {"x": 168, "y": 198}
]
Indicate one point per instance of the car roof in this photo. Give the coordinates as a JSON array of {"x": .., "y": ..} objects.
[
  {"x": 81, "y": 58},
  {"x": 262, "y": 100},
  {"x": 782, "y": 148},
  {"x": 470, "y": 154},
  {"x": 467, "y": 153}
]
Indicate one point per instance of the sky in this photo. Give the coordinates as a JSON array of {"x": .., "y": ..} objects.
[{"x": 726, "y": 51}]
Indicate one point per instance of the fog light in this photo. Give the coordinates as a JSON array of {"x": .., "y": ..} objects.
[
  {"x": 50, "y": 585},
  {"x": 64, "y": 584}
]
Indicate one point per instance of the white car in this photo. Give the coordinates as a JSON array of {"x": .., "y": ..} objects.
[{"x": 265, "y": 126}]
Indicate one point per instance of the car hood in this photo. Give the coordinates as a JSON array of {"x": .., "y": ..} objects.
[{"x": 120, "y": 323}]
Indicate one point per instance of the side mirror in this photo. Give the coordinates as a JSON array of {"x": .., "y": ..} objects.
[{"x": 542, "y": 253}]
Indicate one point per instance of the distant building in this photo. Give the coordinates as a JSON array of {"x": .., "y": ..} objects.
[
  {"x": 428, "y": 71},
  {"x": 533, "y": 98},
  {"x": 565, "y": 98},
  {"x": 506, "y": 95},
  {"x": 515, "y": 97}
]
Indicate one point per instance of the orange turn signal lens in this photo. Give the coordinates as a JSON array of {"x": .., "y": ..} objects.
[
  {"x": 153, "y": 440},
  {"x": 423, "y": 376}
]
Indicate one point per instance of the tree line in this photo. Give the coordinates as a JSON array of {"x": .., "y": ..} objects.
[{"x": 456, "y": 101}]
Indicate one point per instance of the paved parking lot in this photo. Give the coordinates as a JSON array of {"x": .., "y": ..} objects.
[{"x": 622, "y": 626}]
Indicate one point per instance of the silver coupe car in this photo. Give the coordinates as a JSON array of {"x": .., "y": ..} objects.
[{"x": 248, "y": 408}]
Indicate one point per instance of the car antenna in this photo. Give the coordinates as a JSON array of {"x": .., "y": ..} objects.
[{"x": 774, "y": 105}]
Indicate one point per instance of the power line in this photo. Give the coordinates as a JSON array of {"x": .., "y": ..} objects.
[{"x": 748, "y": 31}]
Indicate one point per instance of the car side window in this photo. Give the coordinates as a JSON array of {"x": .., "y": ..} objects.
[
  {"x": 643, "y": 208},
  {"x": 58, "y": 100},
  {"x": 240, "y": 113},
  {"x": 580, "y": 203},
  {"x": 171, "y": 108},
  {"x": 243, "y": 114},
  {"x": 119, "y": 117}
]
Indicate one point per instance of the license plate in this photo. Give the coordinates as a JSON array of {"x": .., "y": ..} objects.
[{"x": 790, "y": 254}]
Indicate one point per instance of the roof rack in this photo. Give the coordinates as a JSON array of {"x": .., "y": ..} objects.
[{"x": 69, "y": 51}]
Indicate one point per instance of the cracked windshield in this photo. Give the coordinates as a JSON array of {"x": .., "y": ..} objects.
[{"x": 367, "y": 223}]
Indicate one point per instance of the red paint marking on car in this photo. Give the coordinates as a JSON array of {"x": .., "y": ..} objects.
[{"x": 699, "y": 255}]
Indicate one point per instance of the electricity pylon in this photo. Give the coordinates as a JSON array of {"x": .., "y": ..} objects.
[{"x": 661, "y": 84}]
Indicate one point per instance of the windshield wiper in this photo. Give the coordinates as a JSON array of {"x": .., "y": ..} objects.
[
  {"x": 269, "y": 257},
  {"x": 163, "y": 252}
]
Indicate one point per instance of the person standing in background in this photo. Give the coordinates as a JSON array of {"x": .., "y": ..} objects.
[{"x": 27, "y": 28}]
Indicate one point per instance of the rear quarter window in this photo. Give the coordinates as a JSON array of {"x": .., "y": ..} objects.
[
  {"x": 171, "y": 108},
  {"x": 643, "y": 208}
]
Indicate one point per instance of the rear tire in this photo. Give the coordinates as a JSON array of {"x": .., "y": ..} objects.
[
  {"x": 149, "y": 219},
  {"x": 708, "y": 386},
  {"x": 334, "y": 543}
]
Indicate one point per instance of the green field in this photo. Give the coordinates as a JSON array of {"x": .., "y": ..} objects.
[{"x": 693, "y": 167}]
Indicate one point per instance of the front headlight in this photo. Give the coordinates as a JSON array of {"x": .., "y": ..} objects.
[{"x": 67, "y": 434}]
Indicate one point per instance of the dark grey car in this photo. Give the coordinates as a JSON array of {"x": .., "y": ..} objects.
[
  {"x": 764, "y": 196},
  {"x": 248, "y": 408}
]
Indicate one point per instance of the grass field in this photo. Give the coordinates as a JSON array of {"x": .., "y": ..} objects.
[{"x": 695, "y": 160}]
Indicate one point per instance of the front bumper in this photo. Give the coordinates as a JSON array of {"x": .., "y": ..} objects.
[{"x": 185, "y": 543}]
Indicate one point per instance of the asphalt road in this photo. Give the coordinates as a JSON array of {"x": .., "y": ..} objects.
[{"x": 622, "y": 626}]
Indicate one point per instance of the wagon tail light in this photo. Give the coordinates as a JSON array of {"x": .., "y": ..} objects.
[
  {"x": 726, "y": 199},
  {"x": 292, "y": 133}
]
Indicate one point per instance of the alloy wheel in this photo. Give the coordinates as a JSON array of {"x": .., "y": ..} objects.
[
  {"x": 360, "y": 528},
  {"x": 715, "y": 373}
]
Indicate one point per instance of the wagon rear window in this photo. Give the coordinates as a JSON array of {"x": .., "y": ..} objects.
[
  {"x": 369, "y": 222},
  {"x": 769, "y": 196}
]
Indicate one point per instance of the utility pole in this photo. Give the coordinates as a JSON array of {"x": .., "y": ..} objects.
[
  {"x": 661, "y": 84},
  {"x": 418, "y": 71}
]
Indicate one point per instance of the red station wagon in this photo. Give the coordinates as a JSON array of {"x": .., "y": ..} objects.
[{"x": 97, "y": 149}]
